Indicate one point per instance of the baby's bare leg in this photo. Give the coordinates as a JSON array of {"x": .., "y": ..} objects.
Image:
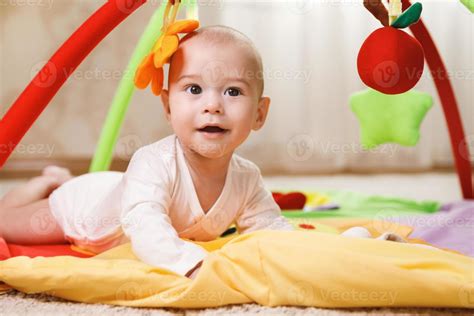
[
  {"x": 36, "y": 188},
  {"x": 30, "y": 224}
]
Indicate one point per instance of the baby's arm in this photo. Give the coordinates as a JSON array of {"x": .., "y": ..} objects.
[
  {"x": 145, "y": 202},
  {"x": 260, "y": 210}
]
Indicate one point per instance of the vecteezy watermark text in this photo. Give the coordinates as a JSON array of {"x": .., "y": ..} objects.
[
  {"x": 42, "y": 149},
  {"x": 24, "y": 3}
]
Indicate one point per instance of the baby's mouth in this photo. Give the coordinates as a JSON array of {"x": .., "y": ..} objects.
[{"x": 212, "y": 129}]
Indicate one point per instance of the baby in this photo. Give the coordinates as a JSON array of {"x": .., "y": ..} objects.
[{"x": 189, "y": 186}]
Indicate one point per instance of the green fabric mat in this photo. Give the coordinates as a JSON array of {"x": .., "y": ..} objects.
[{"x": 358, "y": 205}]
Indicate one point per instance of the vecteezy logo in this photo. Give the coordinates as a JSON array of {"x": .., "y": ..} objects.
[
  {"x": 386, "y": 74},
  {"x": 44, "y": 74},
  {"x": 214, "y": 73},
  {"x": 300, "y": 6},
  {"x": 127, "y": 145},
  {"x": 128, "y": 6},
  {"x": 301, "y": 292},
  {"x": 386, "y": 220},
  {"x": 214, "y": 222},
  {"x": 300, "y": 147},
  {"x": 41, "y": 222},
  {"x": 128, "y": 291}
]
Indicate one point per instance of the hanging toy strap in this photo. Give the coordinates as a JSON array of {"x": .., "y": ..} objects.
[
  {"x": 378, "y": 10},
  {"x": 394, "y": 10},
  {"x": 168, "y": 19}
]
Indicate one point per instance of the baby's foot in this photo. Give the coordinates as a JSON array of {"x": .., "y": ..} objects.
[{"x": 61, "y": 174}]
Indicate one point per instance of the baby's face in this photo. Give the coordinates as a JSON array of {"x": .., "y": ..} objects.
[{"x": 214, "y": 96}]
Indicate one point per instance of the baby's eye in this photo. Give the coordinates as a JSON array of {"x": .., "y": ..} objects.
[
  {"x": 233, "y": 92},
  {"x": 194, "y": 89}
]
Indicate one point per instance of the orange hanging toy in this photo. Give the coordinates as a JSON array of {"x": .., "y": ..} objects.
[{"x": 151, "y": 67}]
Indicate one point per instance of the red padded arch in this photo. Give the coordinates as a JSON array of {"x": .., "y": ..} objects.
[
  {"x": 457, "y": 136},
  {"x": 34, "y": 99}
]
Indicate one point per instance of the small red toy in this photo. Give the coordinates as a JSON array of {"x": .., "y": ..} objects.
[{"x": 290, "y": 201}]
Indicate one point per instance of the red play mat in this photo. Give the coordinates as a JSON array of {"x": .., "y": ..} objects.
[{"x": 8, "y": 250}]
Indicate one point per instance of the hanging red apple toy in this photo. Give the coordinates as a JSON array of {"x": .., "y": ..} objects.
[{"x": 390, "y": 60}]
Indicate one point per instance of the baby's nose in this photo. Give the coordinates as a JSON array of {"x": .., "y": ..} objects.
[
  {"x": 213, "y": 105},
  {"x": 211, "y": 108}
]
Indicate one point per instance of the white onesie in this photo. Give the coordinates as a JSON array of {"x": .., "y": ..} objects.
[{"x": 154, "y": 204}]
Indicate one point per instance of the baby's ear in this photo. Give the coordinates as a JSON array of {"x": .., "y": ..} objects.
[
  {"x": 262, "y": 111},
  {"x": 166, "y": 103}
]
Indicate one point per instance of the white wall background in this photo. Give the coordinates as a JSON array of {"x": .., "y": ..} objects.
[{"x": 309, "y": 49}]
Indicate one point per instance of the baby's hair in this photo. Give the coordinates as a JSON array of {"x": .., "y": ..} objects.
[{"x": 221, "y": 34}]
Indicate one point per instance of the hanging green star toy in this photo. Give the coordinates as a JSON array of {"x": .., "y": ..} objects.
[{"x": 385, "y": 118}]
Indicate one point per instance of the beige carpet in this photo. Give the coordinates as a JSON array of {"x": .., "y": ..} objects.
[
  {"x": 441, "y": 187},
  {"x": 18, "y": 303}
]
